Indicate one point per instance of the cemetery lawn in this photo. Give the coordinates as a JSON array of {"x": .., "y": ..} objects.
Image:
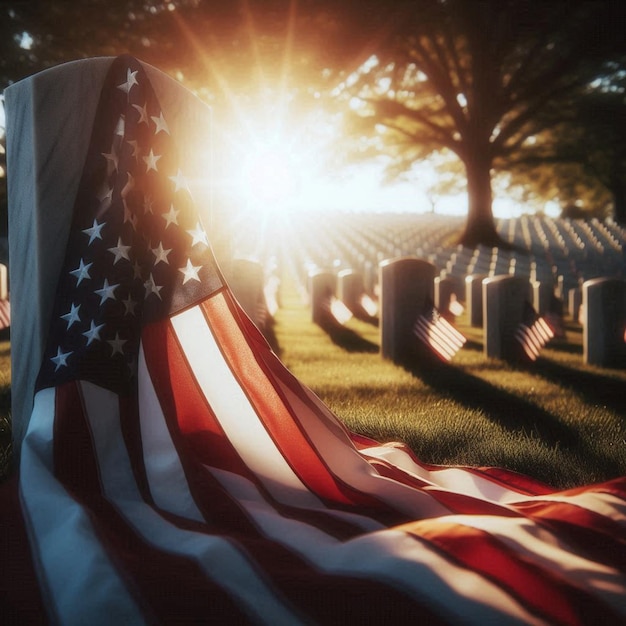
[{"x": 558, "y": 420}]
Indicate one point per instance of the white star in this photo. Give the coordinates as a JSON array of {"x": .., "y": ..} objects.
[
  {"x": 105, "y": 196},
  {"x": 131, "y": 79},
  {"x": 198, "y": 235},
  {"x": 135, "y": 146},
  {"x": 160, "y": 254},
  {"x": 171, "y": 217},
  {"x": 93, "y": 333},
  {"x": 129, "y": 305},
  {"x": 94, "y": 231},
  {"x": 60, "y": 360},
  {"x": 148, "y": 203},
  {"x": 161, "y": 125},
  {"x": 136, "y": 270},
  {"x": 82, "y": 271},
  {"x": 190, "y": 272},
  {"x": 151, "y": 161},
  {"x": 180, "y": 182},
  {"x": 106, "y": 293},
  {"x": 72, "y": 316},
  {"x": 129, "y": 216},
  {"x": 152, "y": 287},
  {"x": 112, "y": 161},
  {"x": 117, "y": 344},
  {"x": 143, "y": 113},
  {"x": 129, "y": 186},
  {"x": 120, "y": 251},
  {"x": 120, "y": 126}
]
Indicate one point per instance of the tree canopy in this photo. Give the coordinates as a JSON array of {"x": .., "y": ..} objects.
[
  {"x": 479, "y": 79},
  {"x": 488, "y": 81}
]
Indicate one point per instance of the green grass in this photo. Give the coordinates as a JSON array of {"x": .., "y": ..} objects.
[{"x": 557, "y": 420}]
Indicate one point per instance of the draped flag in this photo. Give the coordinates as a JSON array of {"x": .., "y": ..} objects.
[{"x": 174, "y": 470}]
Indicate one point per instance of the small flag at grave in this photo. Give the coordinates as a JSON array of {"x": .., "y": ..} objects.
[
  {"x": 533, "y": 333},
  {"x": 174, "y": 469},
  {"x": 5, "y": 314},
  {"x": 436, "y": 332}
]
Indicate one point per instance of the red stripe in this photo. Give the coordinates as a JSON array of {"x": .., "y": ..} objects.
[
  {"x": 170, "y": 584},
  {"x": 20, "y": 596},
  {"x": 182, "y": 403},
  {"x": 74, "y": 458},
  {"x": 281, "y": 423},
  {"x": 589, "y": 533},
  {"x": 541, "y": 591}
]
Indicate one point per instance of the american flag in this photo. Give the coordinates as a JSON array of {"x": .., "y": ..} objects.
[
  {"x": 5, "y": 314},
  {"x": 175, "y": 471},
  {"x": 437, "y": 333},
  {"x": 533, "y": 332}
]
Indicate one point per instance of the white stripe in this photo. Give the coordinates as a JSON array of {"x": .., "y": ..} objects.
[
  {"x": 345, "y": 462},
  {"x": 533, "y": 542},
  {"x": 390, "y": 556},
  {"x": 452, "y": 479},
  {"x": 73, "y": 565},
  {"x": 218, "y": 558},
  {"x": 168, "y": 484},
  {"x": 235, "y": 413}
]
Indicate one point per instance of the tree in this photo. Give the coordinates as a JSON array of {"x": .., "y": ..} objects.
[
  {"x": 585, "y": 150},
  {"x": 474, "y": 78}
]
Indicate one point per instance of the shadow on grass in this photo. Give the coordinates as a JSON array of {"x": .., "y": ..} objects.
[
  {"x": 344, "y": 337},
  {"x": 594, "y": 388},
  {"x": 509, "y": 410}
]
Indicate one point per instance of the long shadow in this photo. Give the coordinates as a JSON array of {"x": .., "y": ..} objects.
[
  {"x": 595, "y": 388},
  {"x": 345, "y": 337},
  {"x": 514, "y": 413}
]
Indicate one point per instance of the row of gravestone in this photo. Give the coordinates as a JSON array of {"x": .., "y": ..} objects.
[
  {"x": 500, "y": 304},
  {"x": 362, "y": 242}
]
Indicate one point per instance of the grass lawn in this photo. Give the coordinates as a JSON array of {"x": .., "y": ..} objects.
[{"x": 557, "y": 420}]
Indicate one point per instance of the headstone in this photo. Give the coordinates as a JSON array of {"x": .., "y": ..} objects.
[
  {"x": 504, "y": 299},
  {"x": 322, "y": 287},
  {"x": 604, "y": 322},
  {"x": 406, "y": 285},
  {"x": 445, "y": 292},
  {"x": 4, "y": 282},
  {"x": 543, "y": 296},
  {"x": 49, "y": 118},
  {"x": 246, "y": 281},
  {"x": 350, "y": 288},
  {"x": 474, "y": 299},
  {"x": 574, "y": 302}
]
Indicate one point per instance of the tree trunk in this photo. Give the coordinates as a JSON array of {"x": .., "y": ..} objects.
[
  {"x": 618, "y": 189},
  {"x": 480, "y": 226}
]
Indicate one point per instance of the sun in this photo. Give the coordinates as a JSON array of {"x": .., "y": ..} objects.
[{"x": 270, "y": 177}]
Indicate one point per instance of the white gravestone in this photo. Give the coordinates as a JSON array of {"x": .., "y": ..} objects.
[
  {"x": 604, "y": 322},
  {"x": 504, "y": 298},
  {"x": 350, "y": 288},
  {"x": 406, "y": 289},
  {"x": 474, "y": 299},
  {"x": 322, "y": 286},
  {"x": 49, "y": 118},
  {"x": 247, "y": 282}
]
